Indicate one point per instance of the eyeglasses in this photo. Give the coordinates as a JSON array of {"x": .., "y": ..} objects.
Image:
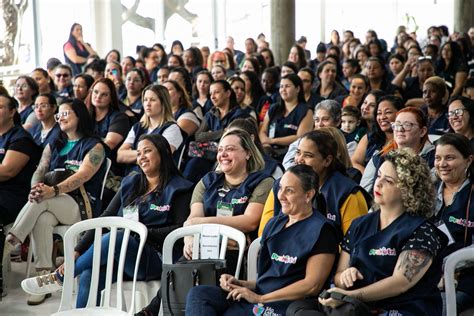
[
  {"x": 456, "y": 113},
  {"x": 100, "y": 95},
  {"x": 22, "y": 86},
  {"x": 405, "y": 126},
  {"x": 61, "y": 115},
  {"x": 42, "y": 106},
  {"x": 427, "y": 57},
  {"x": 62, "y": 75}
]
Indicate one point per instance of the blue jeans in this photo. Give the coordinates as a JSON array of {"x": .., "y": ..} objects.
[
  {"x": 149, "y": 268},
  {"x": 208, "y": 300}
]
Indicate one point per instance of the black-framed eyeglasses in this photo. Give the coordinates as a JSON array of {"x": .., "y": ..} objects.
[
  {"x": 456, "y": 113},
  {"x": 405, "y": 126}
]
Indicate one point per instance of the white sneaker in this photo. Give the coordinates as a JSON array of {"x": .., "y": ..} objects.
[{"x": 42, "y": 285}]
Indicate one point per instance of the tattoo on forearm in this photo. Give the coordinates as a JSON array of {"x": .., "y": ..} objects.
[
  {"x": 412, "y": 262},
  {"x": 43, "y": 166},
  {"x": 96, "y": 155}
]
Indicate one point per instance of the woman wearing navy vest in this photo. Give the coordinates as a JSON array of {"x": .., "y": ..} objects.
[
  {"x": 202, "y": 101},
  {"x": 234, "y": 194},
  {"x": 157, "y": 119},
  {"x": 48, "y": 130},
  {"x": 454, "y": 205},
  {"x": 410, "y": 130},
  {"x": 225, "y": 110},
  {"x": 76, "y": 150},
  {"x": 26, "y": 91},
  {"x": 298, "y": 249},
  {"x": 345, "y": 199},
  {"x": 19, "y": 156},
  {"x": 135, "y": 82},
  {"x": 110, "y": 124},
  {"x": 76, "y": 50},
  {"x": 157, "y": 196},
  {"x": 288, "y": 120},
  {"x": 390, "y": 258}
]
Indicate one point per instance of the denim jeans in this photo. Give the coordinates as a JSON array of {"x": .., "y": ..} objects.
[
  {"x": 149, "y": 268},
  {"x": 207, "y": 300}
]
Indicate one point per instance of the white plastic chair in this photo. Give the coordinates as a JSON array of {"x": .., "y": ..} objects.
[
  {"x": 252, "y": 257},
  {"x": 113, "y": 223},
  {"x": 225, "y": 232},
  {"x": 465, "y": 254},
  {"x": 61, "y": 229}
]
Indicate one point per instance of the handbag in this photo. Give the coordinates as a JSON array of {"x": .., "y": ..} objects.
[
  {"x": 351, "y": 306},
  {"x": 177, "y": 279},
  {"x": 79, "y": 195},
  {"x": 206, "y": 150}
]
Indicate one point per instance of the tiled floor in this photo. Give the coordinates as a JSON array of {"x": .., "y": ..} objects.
[{"x": 14, "y": 304}]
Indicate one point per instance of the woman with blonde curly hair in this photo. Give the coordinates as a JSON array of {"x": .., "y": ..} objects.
[{"x": 389, "y": 258}]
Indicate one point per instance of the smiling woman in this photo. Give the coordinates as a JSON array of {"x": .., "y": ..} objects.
[
  {"x": 235, "y": 193},
  {"x": 62, "y": 202}
]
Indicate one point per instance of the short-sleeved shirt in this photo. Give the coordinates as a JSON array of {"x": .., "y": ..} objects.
[{"x": 172, "y": 134}]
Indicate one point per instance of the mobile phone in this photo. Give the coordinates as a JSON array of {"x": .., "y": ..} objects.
[{"x": 325, "y": 295}]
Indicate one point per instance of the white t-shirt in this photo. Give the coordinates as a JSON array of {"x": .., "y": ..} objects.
[{"x": 172, "y": 134}]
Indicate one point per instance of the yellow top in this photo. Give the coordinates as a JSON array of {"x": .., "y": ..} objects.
[{"x": 354, "y": 206}]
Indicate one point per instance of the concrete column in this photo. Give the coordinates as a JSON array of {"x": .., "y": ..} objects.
[
  {"x": 463, "y": 15},
  {"x": 282, "y": 28},
  {"x": 107, "y": 16}
]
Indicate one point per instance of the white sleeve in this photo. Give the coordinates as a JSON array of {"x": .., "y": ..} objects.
[
  {"x": 289, "y": 159},
  {"x": 367, "y": 181},
  {"x": 130, "y": 137},
  {"x": 191, "y": 116},
  {"x": 173, "y": 135}
]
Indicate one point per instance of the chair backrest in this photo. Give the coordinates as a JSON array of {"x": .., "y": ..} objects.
[
  {"x": 225, "y": 232},
  {"x": 108, "y": 164},
  {"x": 465, "y": 254},
  {"x": 113, "y": 223},
  {"x": 252, "y": 257}
]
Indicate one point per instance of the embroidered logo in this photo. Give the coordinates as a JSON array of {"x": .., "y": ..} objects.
[
  {"x": 383, "y": 252},
  {"x": 291, "y": 126},
  {"x": 241, "y": 200},
  {"x": 461, "y": 221},
  {"x": 284, "y": 258},
  {"x": 331, "y": 217},
  {"x": 159, "y": 208},
  {"x": 394, "y": 312},
  {"x": 260, "y": 310},
  {"x": 2, "y": 151}
]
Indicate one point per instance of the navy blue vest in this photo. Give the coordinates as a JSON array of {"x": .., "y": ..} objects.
[
  {"x": 53, "y": 134},
  {"x": 153, "y": 208},
  {"x": 440, "y": 125},
  {"x": 285, "y": 252},
  {"x": 73, "y": 161},
  {"x": 372, "y": 146},
  {"x": 207, "y": 106},
  {"x": 238, "y": 197},
  {"x": 375, "y": 253},
  {"x": 215, "y": 123},
  {"x": 287, "y": 126},
  {"x": 140, "y": 130},
  {"x": 454, "y": 216},
  {"x": 25, "y": 113},
  {"x": 102, "y": 126},
  {"x": 270, "y": 165},
  {"x": 14, "y": 192}
]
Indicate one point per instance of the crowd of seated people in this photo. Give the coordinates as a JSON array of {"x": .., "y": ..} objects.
[{"x": 329, "y": 159}]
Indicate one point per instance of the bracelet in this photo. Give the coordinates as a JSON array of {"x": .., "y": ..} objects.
[{"x": 56, "y": 190}]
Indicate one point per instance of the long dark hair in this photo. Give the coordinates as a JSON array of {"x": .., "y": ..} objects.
[
  {"x": 167, "y": 166},
  {"x": 257, "y": 90},
  {"x": 327, "y": 146},
  {"x": 226, "y": 86},
  {"x": 114, "y": 102},
  {"x": 12, "y": 105},
  {"x": 397, "y": 103},
  {"x": 280, "y": 111}
]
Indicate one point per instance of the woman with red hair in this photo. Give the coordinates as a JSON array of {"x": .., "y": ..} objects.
[{"x": 410, "y": 130}]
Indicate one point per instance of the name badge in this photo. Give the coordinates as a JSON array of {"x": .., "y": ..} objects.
[
  {"x": 131, "y": 212},
  {"x": 445, "y": 230},
  {"x": 224, "y": 209},
  {"x": 210, "y": 238},
  {"x": 271, "y": 130}
]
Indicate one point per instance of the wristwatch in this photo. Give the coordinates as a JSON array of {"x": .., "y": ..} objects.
[{"x": 56, "y": 190}]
